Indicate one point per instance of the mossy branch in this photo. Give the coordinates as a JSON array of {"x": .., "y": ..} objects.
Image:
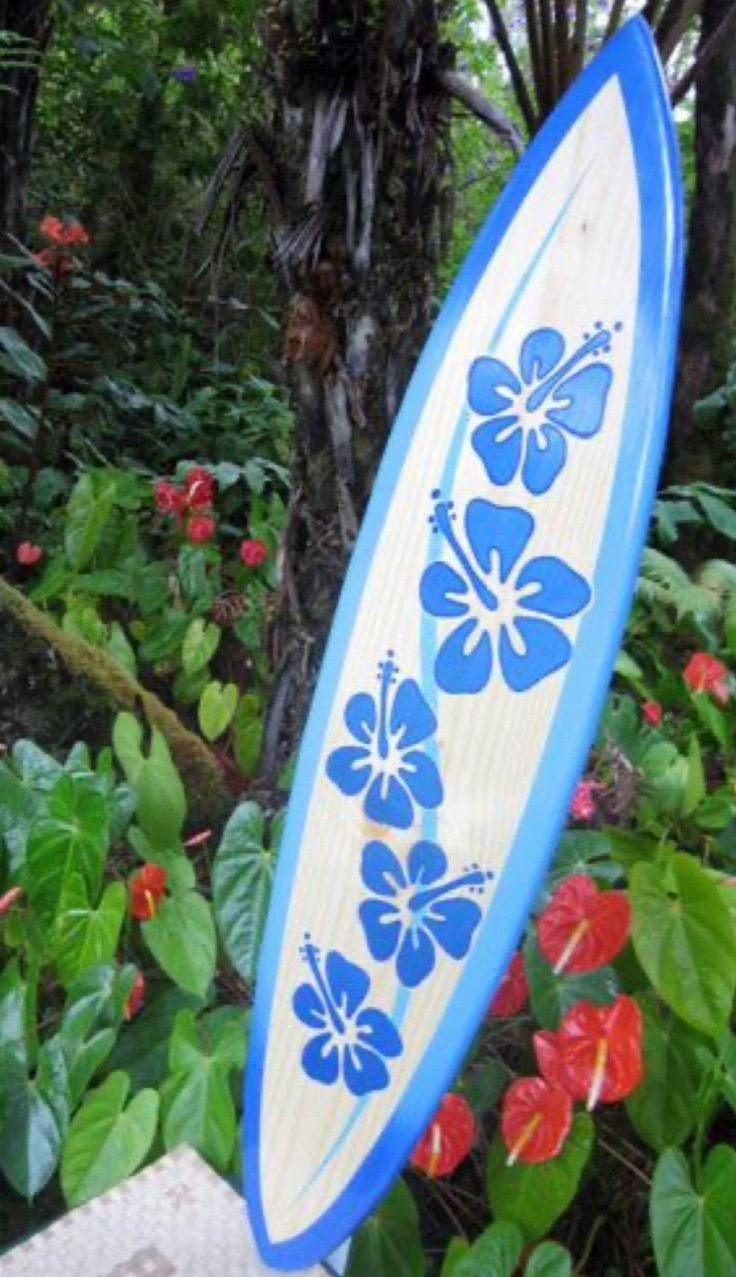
[{"x": 203, "y": 780}]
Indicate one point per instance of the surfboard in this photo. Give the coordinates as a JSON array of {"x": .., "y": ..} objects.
[{"x": 469, "y": 658}]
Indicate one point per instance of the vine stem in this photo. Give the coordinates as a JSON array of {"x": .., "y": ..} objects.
[{"x": 625, "y": 1162}]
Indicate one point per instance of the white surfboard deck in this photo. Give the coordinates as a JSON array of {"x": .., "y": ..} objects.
[{"x": 469, "y": 659}]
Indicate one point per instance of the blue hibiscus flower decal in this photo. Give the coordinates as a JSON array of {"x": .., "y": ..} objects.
[
  {"x": 385, "y": 762},
  {"x": 413, "y": 913},
  {"x": 352, "y": 1041},
  {"x": 505, "y": 605},
  {"x": 530, "y": 412}
]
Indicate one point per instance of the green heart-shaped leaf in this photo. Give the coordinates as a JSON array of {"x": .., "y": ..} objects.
[
  {"x": 388, "y": 1244},
  {"x": 182, "y": 939},
  {"x": 66, "y": 848},
  {"x": 242, "y": 876},
  {"x": 694, "y": 1230},
  {"x": 685, "y": 939},
  {"x": 217, "y": 707},
  {"x": 107, "y": 1141},
  {"x": 88, "y": 937}
]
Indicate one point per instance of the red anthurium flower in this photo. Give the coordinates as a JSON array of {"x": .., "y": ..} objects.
[
  {"x": 513, "y": 990},
  {"x": 200, "y": 488},
  {"x": 75, "y": 233},
  {"x": 705, "y": 673},
  {"x": 583, "y": 928},
  {"x": 583, "y": 805},
  {"x": 253, "y": 553},
  {"x": 134, "y": 1001},
  {"x": 147, "y": 887},
  {"x": 9, "y": 898},
  {"x": 167, "y": 498},
  {"x": 535, "y": 1120},
  {"x": 595, "y": 1055},
  {"x": 27, "y": 553},
  {"x": 448, "y": 1138},
  {"x": 62, "y": 233},
  {"x": 651, "y": 712},
  {"x": 201, "y": 528},
  {"x": 52, "y": 229}
]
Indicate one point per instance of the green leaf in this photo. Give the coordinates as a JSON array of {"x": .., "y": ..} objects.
[
  {"x": 18, "y": 806},
  {"x": 583, "y": 851},
  {"x": 727, "y": 1070},
  {"x": 30, "y": 1140},
  {"x": 37, "y": 769},
  {"x": 119, "y": 647},
  {"x": 494, "y": 1254},
  {"x": 666, "y": 773},
  {"x": 457, "y": 1247},
  {"x": 21, "y": 360},
  {"x": 242, "y": 876},
  {"x": 663, "y": 1106},
  {"x": 95, "y": 1000},
  {"x": 197, "y": 1102},
  {"x": 695, "y": 788},
  {"x": 52, "y": 1080},
  {"x": 549, "y": 1260},
  {"x": 85, "y": 1061},
  {"x": 388, "y": 1244},
  {"x": 712, "y": 718},
  {"x": 193, "y": 577},
  {"x": 484, "y": 1083},
  {"x": 685, "y": 940},
  {"x": 142, "y": 1049},
  {"x": 626, "y": 667},
  {"x": 248, "y": 724},
  {"x": 182, "y": 939},
  {"x": 534, "y": 1196},
  {"x": 66, "y": 848},
  {"x": 164, "y": 636},
  {"x": 720, "y": 515},
  {"x": 217, "y": 706},
  {"x": 23, "y": 420},
  {"x": 219, "y": 1034},
  {"x": 88, "y": 936},
  {"x": 12, "y": 1019},
  {"x": 694, "y": 1231},
  {"x": 107, "y": 1141},
  {"x": 90, "y": 506},
  {"x": 162, "y": 802},
  {"x": 552, "y": 995},
  {"x": 200, "y": 644}
]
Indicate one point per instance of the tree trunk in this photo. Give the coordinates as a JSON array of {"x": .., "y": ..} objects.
[
  {"x": 29, "y": 20},
  {"x": 354, "y": 161},
  {"x": 709, "y": 323}
]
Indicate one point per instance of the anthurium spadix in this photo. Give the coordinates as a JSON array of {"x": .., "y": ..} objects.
[{"x": 467, "y": 666}]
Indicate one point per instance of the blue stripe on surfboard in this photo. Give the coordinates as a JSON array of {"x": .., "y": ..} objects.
[{"x": 630, "y": 56}]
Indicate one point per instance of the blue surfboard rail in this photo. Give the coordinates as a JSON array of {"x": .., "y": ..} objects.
[{"x": 631, "y": 57}]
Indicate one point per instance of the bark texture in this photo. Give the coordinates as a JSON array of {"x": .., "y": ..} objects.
[
  {"x": 355, "y": 165},
  {"x": 709, "y": 323},
  {"x": 358, "y": 153},
  {"x": 30, "y": 20}
]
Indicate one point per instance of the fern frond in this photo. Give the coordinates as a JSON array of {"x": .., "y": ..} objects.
[
  {"x": 664, "y": 582},
  {"x": 718, "y": 576}
]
